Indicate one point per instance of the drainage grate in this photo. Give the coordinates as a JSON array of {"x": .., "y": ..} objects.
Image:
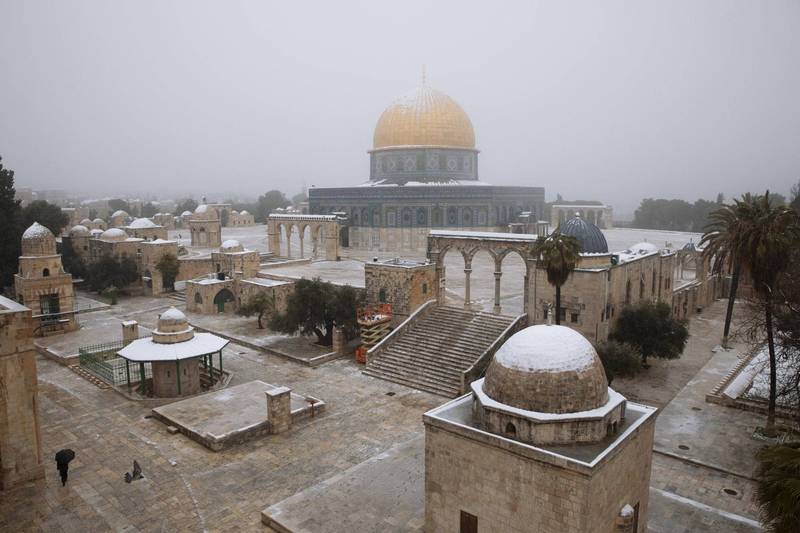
[
  {"x": 696, "y": 409},
  {"x": 683, "y": 447},
  {"x": 390, "y": 393},
  {"x": 730, "y": 492}
]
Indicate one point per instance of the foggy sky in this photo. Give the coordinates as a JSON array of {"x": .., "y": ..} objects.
[{"x": 612, "y": 101}]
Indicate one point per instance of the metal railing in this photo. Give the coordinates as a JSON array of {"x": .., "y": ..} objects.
[{"x": 102, "y": 361}]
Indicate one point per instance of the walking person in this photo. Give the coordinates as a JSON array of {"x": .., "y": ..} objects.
[{"x": 63, "y": 457}]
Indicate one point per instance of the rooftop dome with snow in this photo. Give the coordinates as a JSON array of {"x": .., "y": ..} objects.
[
  {"x": 79, "y": 230},
  {"x": 120, "y": 213},
  {"x": 643, "y": 248},
  {"x": 113, "y": 235},
  {"x": 589, "y": 236},
  {"x": 99, "y": 220},
  {"x": 85, "y": 222},
  {"x": 231, "y": 245},
  {"x": 550, "y": 369},
  {"x": 173, "y": 327},
  {"x": 546, "y": 385},
  {"x": 38, "y": 240},
  {"x": 143, "y": 223}
]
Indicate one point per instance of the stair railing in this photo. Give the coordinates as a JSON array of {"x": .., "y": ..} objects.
[
  {"x": 396, "y": 332},
  {"x": 479, "y": 366}
]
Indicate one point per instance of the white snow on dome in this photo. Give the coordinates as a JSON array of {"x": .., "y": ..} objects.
[
  {"x": 172, "y": 315},
  {"x": 244, "y": 212},
  {"x": 231, "y": 244},
  {"x": 234, "y": 212},
  {"x": 119, "y": 213},
  {"x": 99, "y": 220},
  {"x": 186, "y": 214},
  {"x": 142, "y": 223},
  {"x": 37, "y": 231},
  {"x": 85, "y": 222},
  {"x": 202, "y": 208},
  {"x": 546, "y": 348},
  {"x": 79, "y": 230},
  {"x": 96, "y": 232},
  {"x": 113, "y": 234}
]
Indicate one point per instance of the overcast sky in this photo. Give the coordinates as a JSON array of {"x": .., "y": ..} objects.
[{"x": 612, "y": 101}]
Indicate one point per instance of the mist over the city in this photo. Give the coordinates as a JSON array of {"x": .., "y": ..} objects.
[{"x": 615, "y": 101}]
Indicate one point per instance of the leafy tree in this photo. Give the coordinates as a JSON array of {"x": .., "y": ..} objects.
[
  {"x": 619, "y": 359},
  {"x": 766, "y": 240},
  {"x": 722, "y": 247},
  {"x": 117, "y": 204},
  {"x": 558, "y": 255},
  {"x": 720, "y": 198},
  {"x": 169, "y": 266},
  {"x": 260, "y": 304},
  {"x": 187, "y": 204},
  {"x": 72, "y": 261},
  {"x": 778, "y": 489},
  {"x": 9, "y": 222},
  {"x": 777, "y": 199},
  {"x": 46, "y": 214},
  {"x": 109, "y": 271},
  {"x": 344, "y": 307},
  {"x": 267, "y": 203},
  {"x": 147, "y": 210},
  {"x": 652, "y": 330},
  {"x": 315, "y": 307}
]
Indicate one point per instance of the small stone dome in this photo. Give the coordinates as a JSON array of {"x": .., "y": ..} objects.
[
  {"x": 591, "y": 238},
  {"x": 79, "y": 230},
  {"x": 643, "y": 248},
  {"x": 95, "y": 233},
  {"x": 120, "y": 213},
  {"x": 204, "y": 212},
  {"x": 547, "y": 369},
  {"x": 99, "y": 220},
  {"x": 231, "y": 245},
  {"x": 244, "y": 212},
  {"x": 690, "y": 247},
  {"x": 142, "y": 223},
  {"x": 173, "y": 326},
  {"x": 38, "y": 240},
  {"x": 186, "y": 214},
  {"x": 113, "y": 235},
  {"x": 85, "y": 222}
]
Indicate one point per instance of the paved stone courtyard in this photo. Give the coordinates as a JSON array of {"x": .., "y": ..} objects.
[{"x": 190, "y": 488}]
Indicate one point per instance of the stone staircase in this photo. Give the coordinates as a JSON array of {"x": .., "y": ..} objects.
[
  {"x": 178, "y": 296},
  {"x": 437, "y": 348}
]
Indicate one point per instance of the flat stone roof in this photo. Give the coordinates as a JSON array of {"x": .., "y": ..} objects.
[{"x": 456, "y": 416}]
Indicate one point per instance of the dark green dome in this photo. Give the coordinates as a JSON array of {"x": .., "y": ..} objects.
[{"x": 591, "y": 238}]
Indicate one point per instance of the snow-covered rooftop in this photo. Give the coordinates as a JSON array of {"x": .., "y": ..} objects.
[
  {"x": 147, "y": 350},
  {"x": 143, "y": 223},
  {"x": 513, "y": 237},
  {"x": 37, "y": 231},
  {"x": 435, "y": 182}
]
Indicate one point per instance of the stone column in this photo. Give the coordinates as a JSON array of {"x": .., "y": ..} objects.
[
  {"x": 497, "y": 275},
  {"x": 339, "y": 340},
  {"x": 467, "y": 272},
  {"x": 273, "y": 238},
  {"x": 279, "y": 412},
  {"x": 288, "y": 241},
  {"x": 130, "y": 331},
  {"x": 301, "y": 245}
]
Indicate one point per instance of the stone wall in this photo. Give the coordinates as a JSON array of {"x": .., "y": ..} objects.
[
  {"x": 165, "y": 379},
  {"x": 195, "y": 267},
  {"x": 20, "y": 434},
  {"x": 405, "y": 287}
]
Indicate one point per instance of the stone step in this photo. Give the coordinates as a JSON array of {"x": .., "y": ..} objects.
[
  {"x": 458, "y": 345},
  {"x": 460, "y": 361},
  {"x": 449, "y": 376},
  {"x": 440, "y": 390}
]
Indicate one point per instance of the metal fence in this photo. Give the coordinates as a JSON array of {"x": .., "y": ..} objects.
[{"x": 102, "y": 361}]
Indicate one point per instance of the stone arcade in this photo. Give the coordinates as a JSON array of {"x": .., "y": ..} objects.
[{"x": 541, "y": 444}]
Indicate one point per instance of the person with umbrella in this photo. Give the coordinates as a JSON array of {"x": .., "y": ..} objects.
[{"x": 63, "y": 457}]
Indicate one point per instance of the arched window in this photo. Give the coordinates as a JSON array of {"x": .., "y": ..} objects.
[
  {"x": 45, "y": 272},
  {"x": 198, "y": 299},
  {"x": 382, "y": 296},
  {"x": 424, "y": 288},
  {"x": 511, "y": 429}
]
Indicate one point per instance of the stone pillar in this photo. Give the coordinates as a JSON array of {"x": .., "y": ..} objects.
[
  {"x": 273, "y": 237},
  {"x": 330, "y": 232},
  {"x": 467, "y": 272},
  {"x": 301, "y": 244},
  {"x": 497, "y": 276},
  {"x": 279, "y": 411},
  {"x": 130, "y": 331},
  {"x": 339, "y": 340},
  {"x": 288, "y": 241}
]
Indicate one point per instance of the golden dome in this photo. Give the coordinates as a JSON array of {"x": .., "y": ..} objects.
[{"x": 424, "y": 117}]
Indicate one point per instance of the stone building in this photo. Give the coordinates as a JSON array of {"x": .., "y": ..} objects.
[
  {"x": 20, "y": 433},
  {"x": 177, "y": 356},
  {"x": 322, "y": 230},
  {"x": 151, "y": 254},
  {"x": 42, "y": 284},
  {"x": 594, "y": 212},
  {"x": 223, "y": 212},
  {"x": 77, "y": 241},
  {"x": 404, "y": 283},
  {"x": 115, "y": 242},
  {"x": 423, "y": 175},
  {"x": 541, "y": 444},
  {"x": 205, "y": 227},
  {"x": 165, "y": 219},
  {"x": 243, "y": 218},
  {"x": 144, "y": 228}
]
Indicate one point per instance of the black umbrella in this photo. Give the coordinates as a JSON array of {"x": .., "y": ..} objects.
[{"x": 63, "y": 457}]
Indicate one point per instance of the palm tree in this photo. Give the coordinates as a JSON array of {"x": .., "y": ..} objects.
[
  {"x": 766, "y": 238},
  {"x": 778, "y": 490},
  {"x": 558, "y": 255},
  {"x": 721, "y": 245}
]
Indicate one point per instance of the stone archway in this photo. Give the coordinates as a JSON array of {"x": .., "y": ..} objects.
[{"x": 224, "y": 300}]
